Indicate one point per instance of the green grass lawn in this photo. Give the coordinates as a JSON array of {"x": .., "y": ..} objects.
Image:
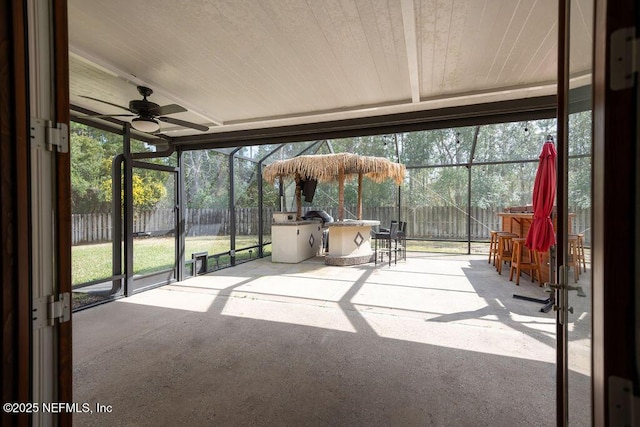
[
  {"x": 447, "y": 247},
  {"x": 94, "y": 262}
]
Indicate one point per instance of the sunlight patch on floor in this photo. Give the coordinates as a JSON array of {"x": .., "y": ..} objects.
[
  {"x": 323, "y": 289},
  {"x": 580, "y": 356},
  {"x": 501, "y": 342},
  {"x": 433, "y": 302},
  {"x": 177, "y": 300},
  {"x": 216, "y": 282}
]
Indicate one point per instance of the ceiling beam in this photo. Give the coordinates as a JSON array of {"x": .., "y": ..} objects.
[
  {"x": 411, "y": 44},
  {"x": 468, "y": 115}
]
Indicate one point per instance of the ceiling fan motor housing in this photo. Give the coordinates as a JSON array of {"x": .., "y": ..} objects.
[{"x": 142, "y": 107}]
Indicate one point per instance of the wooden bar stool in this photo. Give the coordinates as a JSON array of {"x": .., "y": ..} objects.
[
  {"x": 493, "y": 247},
  {"x": 505, "y": 251},
  {"x": 580, "y": 248},
  {"x": 573, "y": 259},
  {"x": 518, "y": 262}
]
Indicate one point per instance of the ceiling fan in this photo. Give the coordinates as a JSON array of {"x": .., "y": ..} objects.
[{"x": 148, "y": 113}]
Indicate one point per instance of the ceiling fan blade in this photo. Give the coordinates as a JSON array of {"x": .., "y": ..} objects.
[
  {"x": 167, "y": 109},
  {"x": 98, "y": 116},
  {"x": 105, "y": 102},
  {"x": 183, "y": 123}
]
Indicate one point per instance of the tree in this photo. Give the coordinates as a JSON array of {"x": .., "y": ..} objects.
[
  {"x": 437, "y": 163},
  {"x": 206, "y": 174},
  {"x": 86, "y": 176},
  {"x": 92, "y": 153}
]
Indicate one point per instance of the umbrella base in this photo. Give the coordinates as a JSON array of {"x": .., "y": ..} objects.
[{"x": 548, "y": 302}]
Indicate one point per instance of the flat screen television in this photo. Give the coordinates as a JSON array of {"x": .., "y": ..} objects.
[{"x": 309, "y": 189}]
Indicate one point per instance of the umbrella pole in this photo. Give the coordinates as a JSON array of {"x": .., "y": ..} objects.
[
  {"x": 360, "y": 195},
  {"x": 547, "y": 302},
  {"x": 341, "y": 195}
]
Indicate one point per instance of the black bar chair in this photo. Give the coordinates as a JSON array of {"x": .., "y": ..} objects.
[
  {"x": 390, "y": 241},
  {"x": 401, "y": 240}
]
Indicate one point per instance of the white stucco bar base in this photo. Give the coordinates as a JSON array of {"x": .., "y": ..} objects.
[
  {"x": 295, "y": 241},
  {"x": 350, "y": 242}
]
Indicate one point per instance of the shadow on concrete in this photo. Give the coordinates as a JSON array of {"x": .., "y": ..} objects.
[{"x": 222, "y": 365}]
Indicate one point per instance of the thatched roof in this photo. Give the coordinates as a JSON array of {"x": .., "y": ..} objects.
[{"x": 326, "y": 167}]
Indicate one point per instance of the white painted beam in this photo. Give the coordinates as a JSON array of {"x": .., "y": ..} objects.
[{"x": 411, "y": 43}]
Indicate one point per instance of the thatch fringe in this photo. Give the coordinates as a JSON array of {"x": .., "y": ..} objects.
[{"x": 327, "y": 167}]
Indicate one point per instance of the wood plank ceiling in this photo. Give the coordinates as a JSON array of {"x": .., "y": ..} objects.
[{"x": 251, "y": 64}]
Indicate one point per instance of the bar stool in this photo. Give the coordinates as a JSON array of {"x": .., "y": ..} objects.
[
  {"x": 493, "y": 246},
  {"x": 505, "y": 251},
  {"x": 389, "y": 246},
  {"x": 573, "y": 260},
  {"x": 401, "y": 240},
  {"x": 580, "y": 248},
  {"x": 518, "y": 263}
]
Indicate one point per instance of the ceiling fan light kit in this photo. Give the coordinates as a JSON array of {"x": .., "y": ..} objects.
[{"x": 145, "y": 125}]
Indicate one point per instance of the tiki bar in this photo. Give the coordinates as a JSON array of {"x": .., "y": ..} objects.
[{"x": 295, "y": 238}]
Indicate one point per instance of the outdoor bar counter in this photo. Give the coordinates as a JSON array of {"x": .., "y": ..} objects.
[
  {"x": 519, "y": 223},
  {"x": 350, "y": 242},
  {"x": 295, "y": 241}
]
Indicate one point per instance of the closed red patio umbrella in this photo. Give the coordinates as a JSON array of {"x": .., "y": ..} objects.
[{"x": 541, "y": 235}]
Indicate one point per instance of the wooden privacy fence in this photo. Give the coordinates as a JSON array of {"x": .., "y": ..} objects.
[
  {"x": 425, "y": 222},
  {"x": 97, "y": 227},
  {"x": 94, "y": 227}
]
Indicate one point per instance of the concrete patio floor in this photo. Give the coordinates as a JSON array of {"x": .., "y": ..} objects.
[{"x": 434, "y": 340}]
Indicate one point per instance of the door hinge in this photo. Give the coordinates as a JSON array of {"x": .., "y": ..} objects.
[
  {"x": 47, "y": 310},
  {"x": 46, "y": 134},
  {"x": 623, "y": 404},
  {"x": 624, "y": 58}
]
